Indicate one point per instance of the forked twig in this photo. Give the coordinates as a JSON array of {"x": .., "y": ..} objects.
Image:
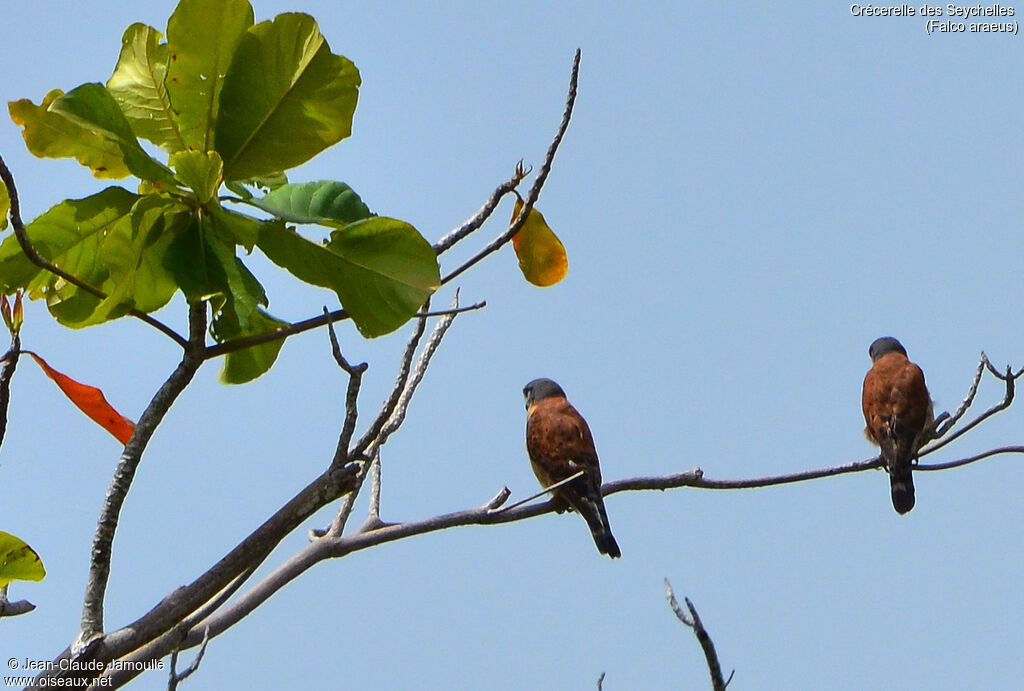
[{"x": 693, "y": 622}]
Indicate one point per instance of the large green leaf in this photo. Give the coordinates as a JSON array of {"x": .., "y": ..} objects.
[
  {"x": 137, "y": 85},
  {"x": 133, "y": 254},
  {"x": 205, "y": 266},
  {"x": 69, "y": 235},
  {"x": 245, "y": 365},
  {"x": 51, "y": 135},
  {"x": 381, "y": 269},
  {"x": 325, "y": 202},
  {"x": 202, "y": 37},
  {"x": 92, "y": 107},
  {"x": 18, "y": 561},
  {"x": 286, "y": 98}
]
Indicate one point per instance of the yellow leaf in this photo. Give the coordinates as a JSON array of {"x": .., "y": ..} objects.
[
  {"x": 18, "y": 561},
  {"x": 542, "y": 257}
]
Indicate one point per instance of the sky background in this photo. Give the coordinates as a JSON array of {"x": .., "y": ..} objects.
[{"x": 749, "y": 193}]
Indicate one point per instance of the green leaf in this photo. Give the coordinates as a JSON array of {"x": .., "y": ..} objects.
[
  {"x": 286, "y": 98},
  {"x": 202, "y": 37},
  {"x": 69, "y": 235},
  {"x": 326, "y": 202},
  {"x": 205, "y": 266},
  {"x": 92, "y": 107},
  {"x": 51, "y": 135},
  {"x": 5, "y": 205},
  {"x": 133, "y": 254},
  {"x": 18, "y": 561},
  {"x": 200, "y": 171},
  {"x": 245, "y": 365},
  {"x": 137, "y": 85},
  {"x": 241, "y": 229},
  {"x": 381, "y": 269}
]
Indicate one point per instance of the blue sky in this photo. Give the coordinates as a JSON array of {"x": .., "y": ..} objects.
[{"x": 749, "y": 194}]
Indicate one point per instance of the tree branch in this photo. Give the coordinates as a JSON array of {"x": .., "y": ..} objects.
[
  {"x": 693, "y": 621},
  {"x": 99, "y": 569},
  {"x": 13, "y": 609},
  {"x": 176, "y": 677},
  {"x": 542, "y": 176},
  {"x": 481, "y": 216},
  {"x": 1009, "y": 380},
  {"x": 39, "y": 260},
  {"x": 355, "y": 379},
  {"x": 10, "y": 363}
]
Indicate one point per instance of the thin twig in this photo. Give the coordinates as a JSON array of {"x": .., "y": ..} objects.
[
  {"x": 13, "y": 609},
  {"x": 373, "y": 509},
  {"x": 964, "y": 404},
  {"x": 541, "y": 493},
  {"x": 970, "y": 459},
  {"x": 283, "y": 332},
  {"x": 454, "y": 310},
  {"x": 175, "y": 678},
  {"x": 397, "y": 416},
  {"x": 355, "y": 378},
  {"x": 396, "y": 392},
  {"x": 693, "y": 621},
  {"x": 481, "y": 216},
  {"x": 10, "y": 363},
  {"x": 1009, "y": 379},
  {"x": 538, "y": 184},
  {"x": 39, "y": 260}
]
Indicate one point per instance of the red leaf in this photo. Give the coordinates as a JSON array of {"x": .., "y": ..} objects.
[{"x": 90, "y": 401}]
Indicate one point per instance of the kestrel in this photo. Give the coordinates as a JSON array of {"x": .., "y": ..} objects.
[
  {"x": 898, "y": 412},
  {"x": 560, "y": 445}
]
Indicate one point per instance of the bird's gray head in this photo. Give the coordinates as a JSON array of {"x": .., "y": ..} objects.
[
  {"x": 539, "y": 389},
  {"x": 884, "y": 345}
]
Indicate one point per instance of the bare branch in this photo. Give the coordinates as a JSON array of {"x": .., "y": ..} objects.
[
  {"x": 248, "y": 554},
  {"x": 538, "y": 184},
  {"x": 373, "y": 510},
  {"x": 541, "y": 493},
  {"x": 965, "y": 404},
  {"x": 39, "y": 260},
  {"x": 970, "y": 459},
  {"x": 175, "y": 677},
  {"x": 298, "y": 327},
  {"x": 13, "y": 609},
  {"x": 481, "y": 216},
  {"x": 396, "y": 392},
  {"x": 355, "y": 378},
  {"x": 99, "y": 568},
  {"x": 10, "y": 363},
  {"x": 333, "y": 546},
  {"x": 397, "y": 416},
  {"x": 693, "y": 621},
  {"x": 1009, "y": 379}
]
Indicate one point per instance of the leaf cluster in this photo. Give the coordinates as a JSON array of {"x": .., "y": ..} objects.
[{"x": 234, "y": 104}]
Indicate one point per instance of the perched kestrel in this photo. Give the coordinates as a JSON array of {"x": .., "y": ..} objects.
[
  {"x": 898, "y": 412},
  {"x": 560, "y": 445}
]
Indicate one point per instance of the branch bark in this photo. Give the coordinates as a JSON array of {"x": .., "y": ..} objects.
[
  {"x": 693, "y": 621},
  {"x": 99, "y": 569}
]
